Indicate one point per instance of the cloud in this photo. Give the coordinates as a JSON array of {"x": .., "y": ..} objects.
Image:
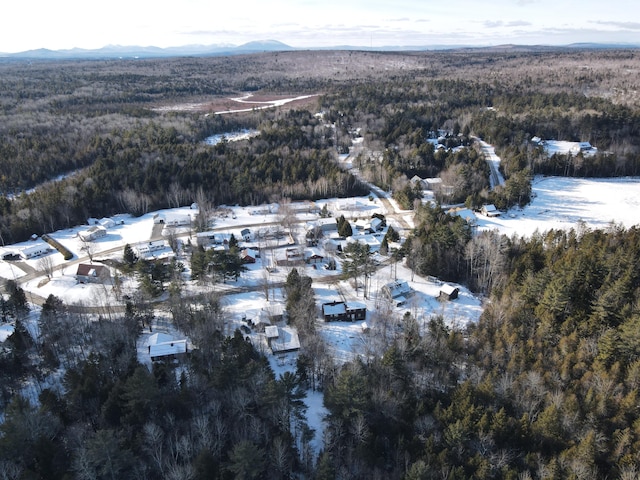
[
  {"x": 623, "y": 25},
  {"x": 500, "y": 23}
]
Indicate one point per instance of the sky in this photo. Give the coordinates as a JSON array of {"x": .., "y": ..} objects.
[{"x": 65, "y": 24}]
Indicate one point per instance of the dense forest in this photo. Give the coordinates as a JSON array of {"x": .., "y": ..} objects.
[{"x": 544, "y": 386}]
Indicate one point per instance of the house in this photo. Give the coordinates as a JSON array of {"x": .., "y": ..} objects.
[
  {"x": 417, "y": 181},
  {"x": 148, "y": 248},
  {"x": 88, "y": 273},
  {"x": 312, "y": 256},
  {"x": 172, "y": 219},
  {"x": 104, "y": 222},
  {"x": 466, "y": 213},
  {"x": 448, "y": 292},
  {"x": 397, "y": 292},
  {"x": 325, "y": 225},
  {"x": 368, "y": 239},
  {"x": 283, "y": 339},
  {"x": 249, "y": 256},
  {"x": 245, "y": 233},
  {"x": 33, "y": 251},
  {"x": 334, "y": 311},
  {"x": 432, "y": 184},
  {"x": 164, "y": 347},
  {"x": 344, "y": 311},
  {"x": 92, "y": 233},
  {"x": 294, "y": 255},
  {"x": 205, "y": 239},
  {"x": 356, "y": 311},
  {"x": 490, "y": 210},
  {"x": 376, "y": 224}
]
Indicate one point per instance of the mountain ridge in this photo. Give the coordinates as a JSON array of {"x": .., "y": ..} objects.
[{"x": 258, "y": 46}]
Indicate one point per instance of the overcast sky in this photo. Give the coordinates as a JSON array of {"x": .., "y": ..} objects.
[{"x": 63, "y": 24}]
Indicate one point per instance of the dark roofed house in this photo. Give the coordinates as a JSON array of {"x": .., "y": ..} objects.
[
  {"x": 313, "y": 255},
  {"x": 397, "y": 292},
  {"x": 344, "y": 312},
  {"x": 87, "y": 273},
  {"x": 249, "y": 256},
  {"x": 334, "y": 311},
  {"x": 356, "y": 311}
]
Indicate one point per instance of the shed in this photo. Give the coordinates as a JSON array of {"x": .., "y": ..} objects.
[
  {"x": 448, "y": 292},
  {"x": 490, "y": 210}
]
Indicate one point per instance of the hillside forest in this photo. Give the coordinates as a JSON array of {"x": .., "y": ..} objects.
[{"x": 544, "y": 386}]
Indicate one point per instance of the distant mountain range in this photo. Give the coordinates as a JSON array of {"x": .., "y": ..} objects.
[{"x": 118, "y": 51}]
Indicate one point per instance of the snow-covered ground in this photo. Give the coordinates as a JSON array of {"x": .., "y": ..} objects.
[
  {"x": 558, "y": 203},
  {"x": 561, "y": 203},
  {"x": 563, "y": 147}
]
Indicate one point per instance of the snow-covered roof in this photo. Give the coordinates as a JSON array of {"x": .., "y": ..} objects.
[
  {"x": 448, "y": 289},
  {"x": 163, "y": 345},
  {"x": 355, "y": 305},
  {"x": 287, "y": 341},
  {"x": 271, "y": 331},
  {"x": 313, "y": 253},
  {"x": 334, "y": 308},
  {"x": 397, "y": 288}
]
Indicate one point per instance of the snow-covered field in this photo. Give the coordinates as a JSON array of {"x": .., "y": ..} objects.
[{"x": 561, "y": 203}]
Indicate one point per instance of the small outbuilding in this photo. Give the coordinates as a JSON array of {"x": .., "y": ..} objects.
[
  {"x": 448, "y": 292},
  {"x": 490, "y": 210}
]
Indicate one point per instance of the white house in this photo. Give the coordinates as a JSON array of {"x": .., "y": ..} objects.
[
  {"x": 162, "y": 346},
  {"x": 92, "y": 233},
  {"x": 33, "y": 251},
  {"x": 490, "y": 210},
  {"x": 147, "y": 248},
  {"x": 172, "y": 219},
  {"x": 285, "y": 340}
]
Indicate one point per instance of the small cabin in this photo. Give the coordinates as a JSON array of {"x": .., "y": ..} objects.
[
  {"x": 490, "y": 210},
  {"x": 448, "y": 292}
]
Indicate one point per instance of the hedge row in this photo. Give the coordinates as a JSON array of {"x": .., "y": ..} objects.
[{"x": 66, "y": 253}]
